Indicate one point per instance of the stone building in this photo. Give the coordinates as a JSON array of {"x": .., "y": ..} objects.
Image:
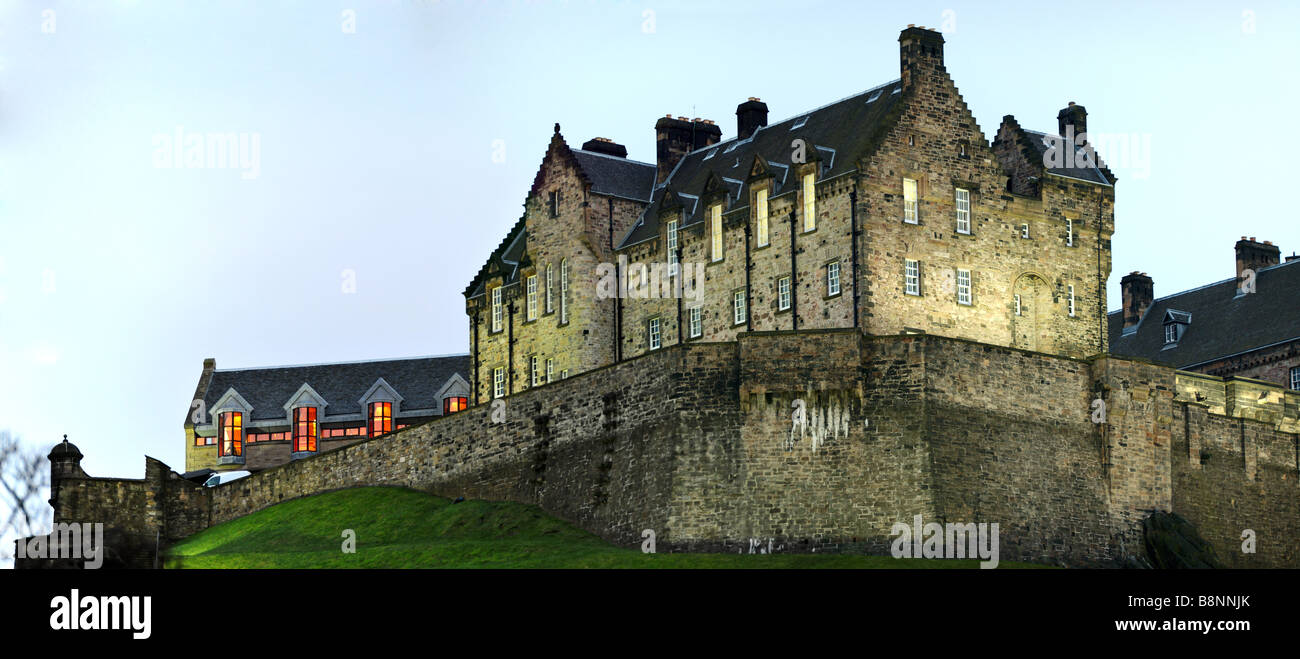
[
  {"x": 1247, "y": 326},
  {"x": 886, "y": 211},
  {"x": 256, "y": 418}
]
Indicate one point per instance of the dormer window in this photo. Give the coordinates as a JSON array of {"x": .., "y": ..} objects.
[
  {"x": 671, "y": 242},
  {"x": 496, "y": 309},
  {"x": 453, "y": 404},
  {"x": 230, "y": 434},
  {"x": 304, "y": 429},
  {"x": 760, "y": 209},
  {"x": 809, "y": 203},
  {"x": 380, "y": 418},
  {"x": 1175, "y": 325},
  {"x": 715, "y": 231}
]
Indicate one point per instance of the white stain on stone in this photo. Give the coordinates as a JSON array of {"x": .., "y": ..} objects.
[{"x": 824, "y": 420}]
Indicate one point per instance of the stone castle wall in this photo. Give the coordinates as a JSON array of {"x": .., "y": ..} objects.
[{"x": 821, "y": 441}]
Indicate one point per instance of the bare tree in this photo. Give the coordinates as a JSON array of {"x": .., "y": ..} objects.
[{"x": 24, "y": 489}]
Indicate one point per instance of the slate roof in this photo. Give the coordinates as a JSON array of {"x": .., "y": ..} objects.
[
  {"x": 1098, "y": 173},
  {"x": 615, "y": 176},
  {"x": 1222, "y": 324},
  {"x": 342, "y": 385},
  {"x": 839, "y": 133}
]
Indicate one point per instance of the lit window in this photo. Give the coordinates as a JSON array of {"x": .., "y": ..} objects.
[
  {"x": 304, "y": 429},
  {"x": 783, "y": 293},
  {"x": 1069, "y": 233},
  {"x": 696, "y": 322},
  {"x": 672, "y": 246},
  {"x": 809, "y": 203},
  {"x": 963, "y": 287},
  {"x": 535, "y": 370},
  {"x": 550, "y": 369},
  {"x": 231, "y": 431},
  {"x": 760, "y": 211},
  {"x": 738, "y": 306},
  {"x": 1071, "y": 300},
  {"x": 833, "y": 278},
  {"x": 715, "y": 230},
  {"x": 1017, "y": 304},
  {"x": 909, "y": 201},
  {"x": 550, "y": 280},
  {"x": 204, "y": 441},
  {"x": 453, "y": 404},
  {"x": 1295, "y": 377},
  {"x": 912, "y": 277},
  {"x": 496, "y": 309},
  {"x": 498, "y": 382},
  {"x": 532, "y": 297},
  {"x": 963, "y": 211},
  {"x": 564, "y": 291},
  {"x": 381, "y": 418},
  {"x": 655, "y": 339}
]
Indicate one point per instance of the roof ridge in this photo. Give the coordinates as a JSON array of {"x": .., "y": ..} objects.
[
  {"x": 358, "y": 361},
  {"x": 615, "y": 158}
]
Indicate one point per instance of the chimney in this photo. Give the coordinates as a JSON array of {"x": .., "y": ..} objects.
[
  {"x": 606, "y": 146},
  {"x": 1256, "y": 256},
  {"x": 1138, "y": 291},
  {"x": 1072, "y": 115},
  {"x": 750, "y": 116},
  {"x": 1293, "y": 257},
  {"x": 921, "y": 52},
  {"x": 676, "y": 137}
]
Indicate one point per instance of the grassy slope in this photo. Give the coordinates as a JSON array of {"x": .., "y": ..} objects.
[{"x": 401, "y": 528}]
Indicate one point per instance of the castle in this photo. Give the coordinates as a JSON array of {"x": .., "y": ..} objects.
[{"x": 804, "y": 335}]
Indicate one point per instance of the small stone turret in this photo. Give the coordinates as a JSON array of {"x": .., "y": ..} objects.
[{"x": 65, "y": 462}]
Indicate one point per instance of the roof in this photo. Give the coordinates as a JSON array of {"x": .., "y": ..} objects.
[
  {"x": 1096, "y": 173},
  {"x": 838, "y": 134},
  {"x": 1221, "y": 324},
  {"x": 417, "y": 380},
  {"x": 615, "y": 176}
]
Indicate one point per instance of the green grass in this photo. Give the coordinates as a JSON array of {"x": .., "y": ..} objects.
[{"x": 402, "y": 528}]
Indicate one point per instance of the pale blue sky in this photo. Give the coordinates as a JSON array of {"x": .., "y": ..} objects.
[{"x": 376, "y": 156}]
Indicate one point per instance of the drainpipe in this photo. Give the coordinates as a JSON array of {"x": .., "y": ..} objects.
[
  {"x": 510, "y": 349},
  {"x": 749, "y": 308},
  {"x": 678, "y": 286},
  {"x": 794, "y": 280},
  {"x": 474, "y": 323},
  {"x": 853, "y": 221}
]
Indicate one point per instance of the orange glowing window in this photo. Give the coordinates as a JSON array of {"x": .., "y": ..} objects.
[
  {"x": 381, "y": 418},
  {"x": 454, "y": 404},
  {"x": 231, "y": 432},
  {"x": 304, "y": 429}
]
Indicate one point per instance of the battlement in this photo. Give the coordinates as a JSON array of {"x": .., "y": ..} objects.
[{"x": 1243, "y": 398}]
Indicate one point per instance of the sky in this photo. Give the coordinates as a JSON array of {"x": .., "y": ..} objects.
[{"x": 386, "y": 147}]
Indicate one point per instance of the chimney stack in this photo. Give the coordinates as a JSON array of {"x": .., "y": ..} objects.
[
  {"x": 920, "y": 53},
  {"x": 1254, "y": 255},
  {"x": 676, "y": 137},
  {"x": 1072, "y": 115},
  {"x": 750, "y": 116},
  {"x": 606, "y": 146},
  {"x": 1138, "y": 291}
]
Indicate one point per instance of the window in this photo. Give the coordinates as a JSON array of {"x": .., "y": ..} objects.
[
  {"x": 696, "y": 322},
  {"x": 963, "y": 211},
  {"x": 1071, "y": 300},
  {"x": 1024, "y": 231},
  {"x": 912, "y": 277},
  {"x": 230, "y": 429},
  {"x": 564, "y": 375},
  {"x": 453, "y": 404},
  {"x": 833, "y": 278},
  {"x": 760, "y": 211},
  {"x": 738, "y": 306},
  {"x": 1017, "y": 304},
  {"x": 1069, "y": 233},
  {"x": 809, "y": 203},
  {"x": 783, "y": 293},
  {"x": 909, "y": 202},
  {"x": 496, "y": 309},
  {"x": 715, "y": 230},
  {"x": 555, "y": 203},
  {"x": 564, "y": 291},
  {"x": 963, "y": 287},
  {"x": 1295, "y": 377},
  {"x": 498, "y": 382},
  {"x": 304, "y": 429},
  {"x": 381, "y": 418},
  {"x": 654, "y": 338},
  {"x": 550, "y": 369},
  {"x": 672, "y": 246},
  {"x": 205, "y": 441},
  {"x": 550, "y": 280},
  {"x": 535, "y": 370},
  {"x": 1171, "y": 333},
  {"x": 961, "y": 150},
  {"x": 532, "y": 297}
]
